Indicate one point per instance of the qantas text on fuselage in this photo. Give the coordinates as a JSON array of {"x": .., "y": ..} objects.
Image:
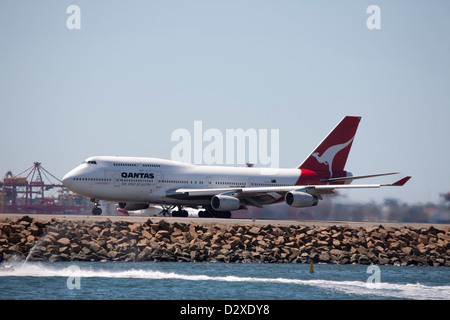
[{"x": 137, "y": 182}]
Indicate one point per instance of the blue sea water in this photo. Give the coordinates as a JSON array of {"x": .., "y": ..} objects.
[{"x": 220, "y": 281}]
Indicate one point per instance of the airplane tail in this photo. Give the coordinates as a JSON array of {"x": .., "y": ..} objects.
[{"x": 331, "y": 154}]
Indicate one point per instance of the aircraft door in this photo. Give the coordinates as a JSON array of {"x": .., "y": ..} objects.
[
  {"x": 114, "y": 175},
  {"x": 158, "y": 180},
  {"x": 155, "y": 184}
]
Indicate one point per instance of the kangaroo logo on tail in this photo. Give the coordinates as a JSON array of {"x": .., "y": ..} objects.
[
  {"x": 328, "y": 155},
  {"x": 332, "y": 153}
]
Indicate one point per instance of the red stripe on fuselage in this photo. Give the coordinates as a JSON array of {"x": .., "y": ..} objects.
[
  {"x": 311, "y": 178},
  {"x": 307, "y": 177}
]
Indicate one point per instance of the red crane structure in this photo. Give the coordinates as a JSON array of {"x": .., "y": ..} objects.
[{"x": 26, "y": 194}]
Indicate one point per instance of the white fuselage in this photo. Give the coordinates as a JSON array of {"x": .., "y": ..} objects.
[
  {"x": 137, "y": 182},
  {"x": 150, "y": 180}
]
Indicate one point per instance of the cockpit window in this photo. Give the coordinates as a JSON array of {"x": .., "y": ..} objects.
[{"x": 89, "y": 162}]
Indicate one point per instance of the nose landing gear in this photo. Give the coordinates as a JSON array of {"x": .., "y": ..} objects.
[{"x": 96, "y": 210}]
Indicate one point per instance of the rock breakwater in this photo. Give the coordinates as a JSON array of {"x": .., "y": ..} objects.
[{"x": 191, "y": 242}]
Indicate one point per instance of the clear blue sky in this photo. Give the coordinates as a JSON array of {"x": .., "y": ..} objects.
[{"x": 138, "y": 70}]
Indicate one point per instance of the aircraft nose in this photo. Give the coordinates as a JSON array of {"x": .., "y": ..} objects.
[{"x": 68, "y": 179}]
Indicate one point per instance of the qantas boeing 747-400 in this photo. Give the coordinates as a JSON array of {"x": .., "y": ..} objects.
[{"x": 135, "y": 183}]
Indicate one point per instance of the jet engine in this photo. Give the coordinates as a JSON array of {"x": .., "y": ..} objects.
[
  {"x": 225, "y": 203},
  {"x": 301, "y": 199},
  {"x": 133, "y": 206}
]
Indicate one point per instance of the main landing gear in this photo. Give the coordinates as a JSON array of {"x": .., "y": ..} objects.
[
  {"x": 209, "y": 212},
  {"x": 180, "y": 212},
  {"x": 96, "y": 210},
  {"x": 166, "y": 211}
]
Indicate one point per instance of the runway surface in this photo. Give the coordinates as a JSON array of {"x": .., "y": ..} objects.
[{"x": 206, "y": 221}]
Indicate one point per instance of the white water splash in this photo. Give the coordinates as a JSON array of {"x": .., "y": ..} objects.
[{"x": 402, "y": 291}]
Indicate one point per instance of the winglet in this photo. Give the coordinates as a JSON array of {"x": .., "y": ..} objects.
[{"x": 401, "y": 182}]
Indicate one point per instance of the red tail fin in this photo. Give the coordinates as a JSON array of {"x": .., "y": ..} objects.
[{"x": 331, "y": 154}]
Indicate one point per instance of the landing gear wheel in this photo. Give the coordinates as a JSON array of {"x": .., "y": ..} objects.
[
  {"x": 180, "y": 213},
  {"x": 204, "y": 214},
  {"x": 211, "y": 213},
  {"x": 96, "y": 210}
]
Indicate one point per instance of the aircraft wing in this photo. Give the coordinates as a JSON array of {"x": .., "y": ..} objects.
[{"x": 256, "y": 195}]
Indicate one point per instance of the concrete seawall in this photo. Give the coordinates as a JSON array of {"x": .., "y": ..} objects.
[{"x": 119, "y": 240}]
